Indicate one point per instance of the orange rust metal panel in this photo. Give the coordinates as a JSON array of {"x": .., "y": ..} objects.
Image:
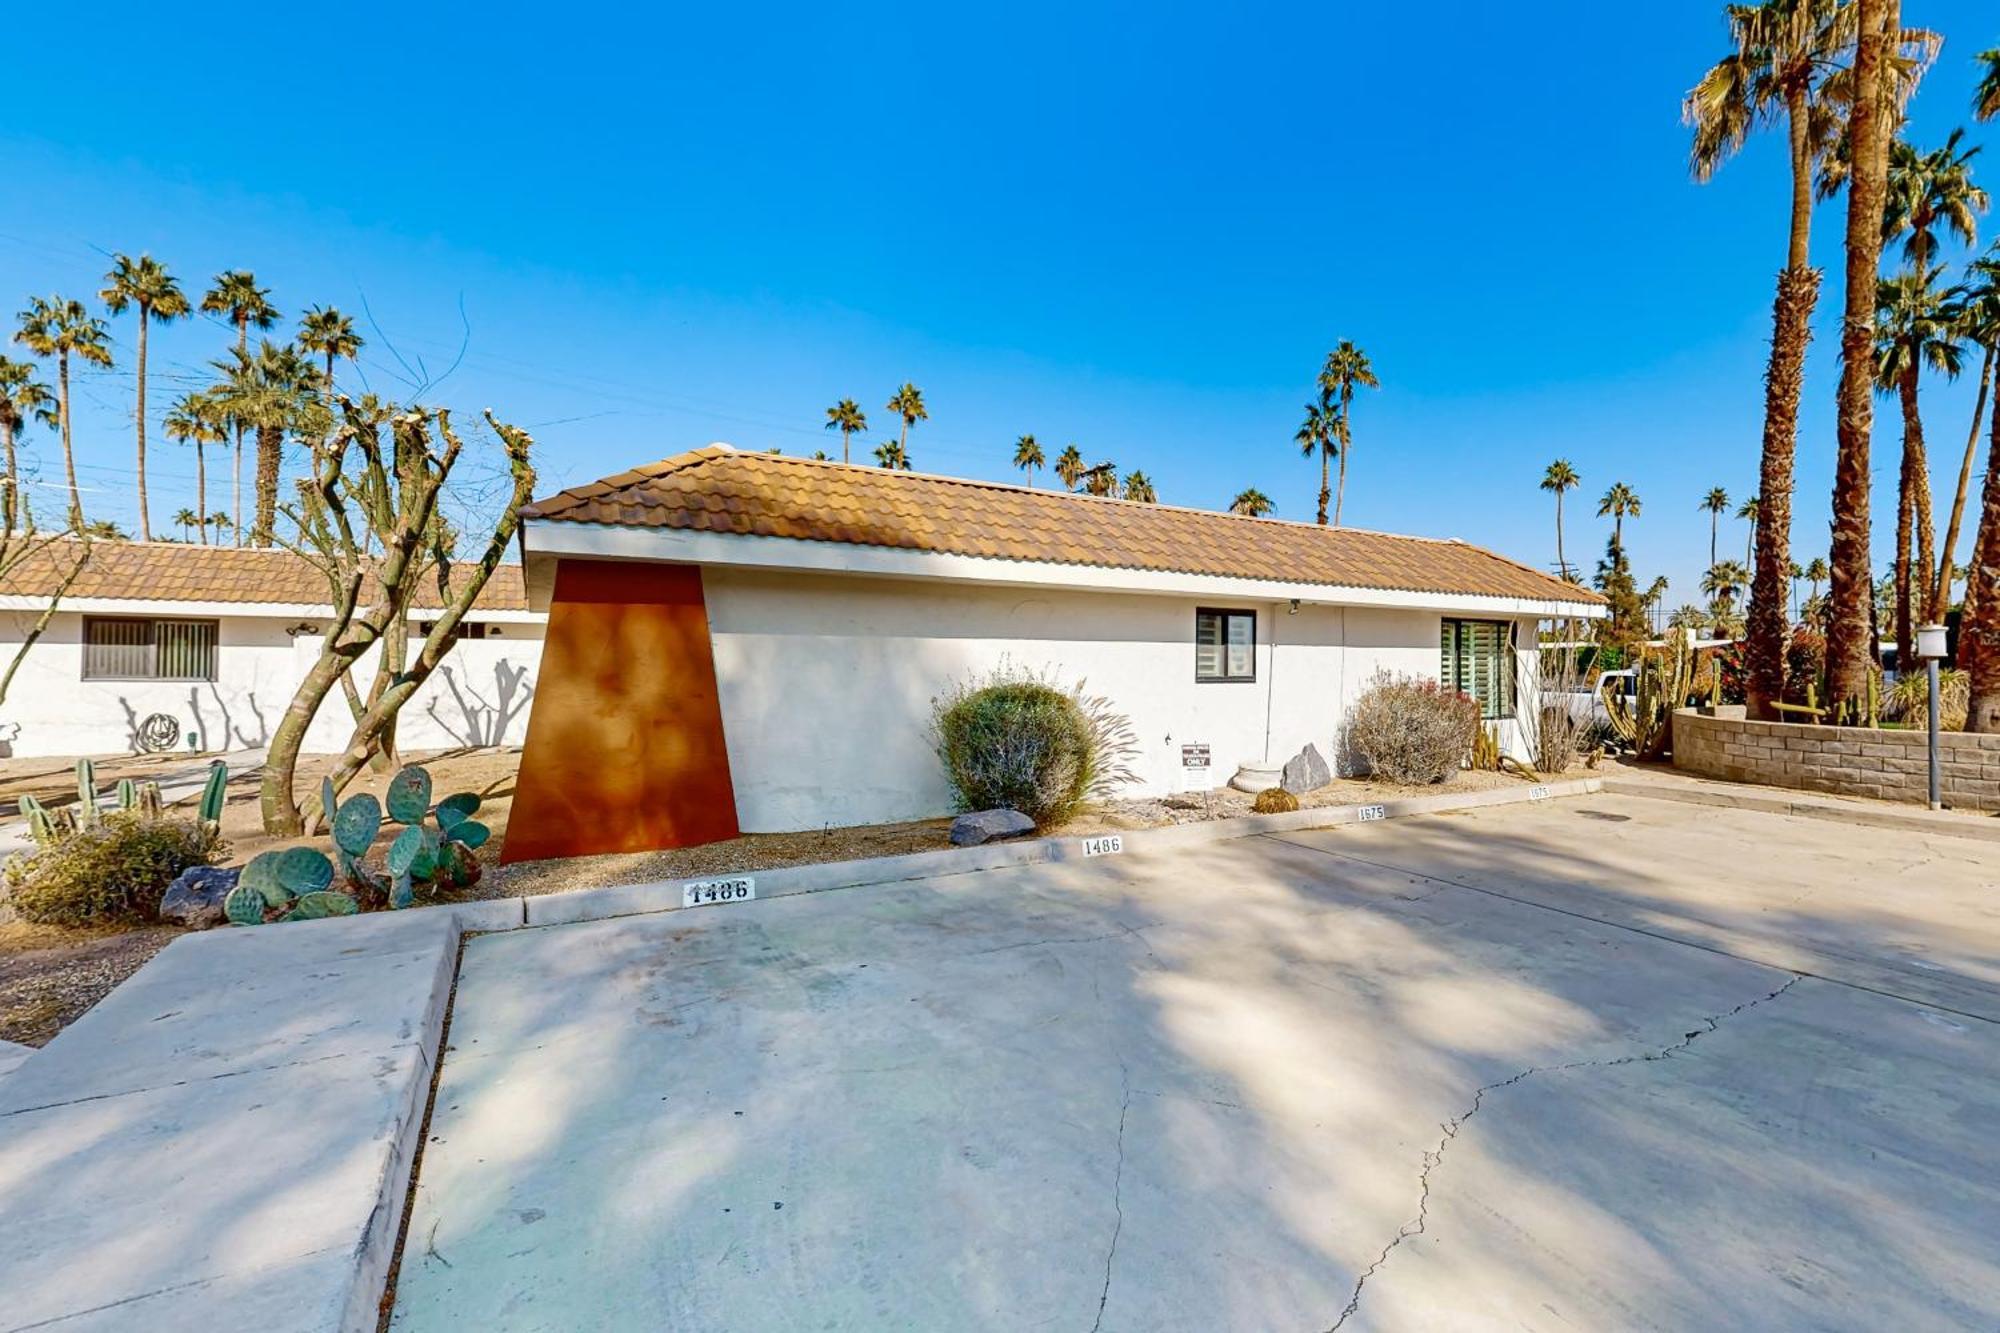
[{"x": 625, "y": 747}]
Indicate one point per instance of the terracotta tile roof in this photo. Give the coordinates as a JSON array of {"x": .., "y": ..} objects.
[
  {"x": 722, "y": 490},
  {"x": 173, "y": 572}
]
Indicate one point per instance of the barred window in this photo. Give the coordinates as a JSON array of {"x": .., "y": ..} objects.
[
  {"x": 1225, "y": 645},
  {"x": 123, "y": 648},
  {"x": 1476, "y": 657}
]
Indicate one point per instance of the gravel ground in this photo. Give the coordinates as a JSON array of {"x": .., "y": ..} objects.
[{"x": 50, "y": 976}]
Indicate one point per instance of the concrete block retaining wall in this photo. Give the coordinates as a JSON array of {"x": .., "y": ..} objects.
[{"x": 1845, "y": 761}]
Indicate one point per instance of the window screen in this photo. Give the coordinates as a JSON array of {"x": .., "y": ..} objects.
[
  {"x": 115, "y": 648},
  {"x": 1476, "y": 657},
  {"x": 1225, "y": 645}
]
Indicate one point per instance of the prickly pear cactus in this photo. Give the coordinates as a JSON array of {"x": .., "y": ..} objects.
[
  {"x": 356, "y": 823},
  {"x": 321, "y": 904},
  {"x": 409, "y": 797},
  {"x": 244, "y": 906},
  {"x": 456, "y": 808}
]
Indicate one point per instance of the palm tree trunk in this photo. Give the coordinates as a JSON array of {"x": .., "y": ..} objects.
[
  {"x": 1979, "y": 626},
  {"x": 69, "y": 457},
  {"x": 1715, "y": 523},
  {"x": 1941, "y": 594},
  {"x": 845, "y": 436},
  {"x": 236, "y": 485},
  {"x": 145, "y": 519},
  {"x": 270, "y": 458},
  {"x": 1346, "y": 447},
  {"x": 1561, "y": 563},
  {"x": 1851, "y": 593},
  {"x": 201, "y": 490},
  {"x": 1766, "y": 626},
  {"x": 10, "y": 512},
  {"x": 1905, "y": 644},
  {"x": 1325, "y": 483},
  {"x": 1920, "y": 501}
]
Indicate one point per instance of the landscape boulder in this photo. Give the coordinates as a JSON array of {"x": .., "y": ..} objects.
[
  {"x": 195, "y": 897},
  {"x": 1305, "y": 771},
  {"x": 989, "y": 825}
]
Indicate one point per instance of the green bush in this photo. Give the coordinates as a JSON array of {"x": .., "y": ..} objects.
[
  {"x": 1011, "y": 740},
  {"x": 115, "y": 870},
  {"x": 1412, "y": 731},
  {"x": 1275, "y": 801}
]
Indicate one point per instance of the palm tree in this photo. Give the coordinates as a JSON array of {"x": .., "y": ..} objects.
[
  {"x": 1560, "y": 477},
  {"x": 1979, "y": 616},
  {"x": 1316, "y": 436},
  {"x": 1815, "y": 574},
  {"x": 846, "y": 417},
  {"x": 1931, "y": 190},
  {"x": 1917, "y": 329},
  {"x": 1986, "y": 100},
  {"x": 1874, "y": 108},
  {"x": 892, "y": 455},
  {"x": 187, "y": 521},
  {"x": 1723, "y": 581},
  {"x": 1346, "y": 368},
  {"x": 145, "y": 285},
  {"x": 1619, "y": 503},
  {"x": 1688, "y": 616},
  {"x": 1792, "y": 577},
  {"x": 197, "y": 419},
  {"x": 62, "y": 328},
  {"x": 236, "y": 296},
  {"x": 325, "y": 332},
  {"x": 908, "y": 403},
  {"x": 1748, "y": 511},
  {"x": 1251, "y": 503},
  {"x": 1028, "y": 456},
  {"x": 1101, "y": 479},
  {"x": 1069, "y": 466},
  {"x": 1139, "y": 488},
  {"x": 1787, "y": 53},
  {"x": 221, "y": 523},
  {"x": 1979, "y": 324},
  {"x": 1716, "y": 504},
  {"x": 23, "y": 398},
  {"x": 273, "y": 393}
]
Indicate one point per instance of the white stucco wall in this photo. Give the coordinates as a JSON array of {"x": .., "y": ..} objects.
[
  {"x": 479, "y": 696},
  {"x": 826, "y": 681}
]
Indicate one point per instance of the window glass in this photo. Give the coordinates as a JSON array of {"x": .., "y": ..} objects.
[
  {"x": 1476, "y": 657},
  {"x": 1225, "y": 645},
  {"x": 123, "y": 648}
]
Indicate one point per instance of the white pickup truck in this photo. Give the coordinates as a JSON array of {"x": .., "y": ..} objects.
[{"x": 1589, "y": 704}]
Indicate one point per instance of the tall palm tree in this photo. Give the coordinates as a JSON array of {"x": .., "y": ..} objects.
[
  {"x": 1929, "y": 191},
  {"x": 325, "y": 332},
  {"x": 1874, "y": 108},
  {"x": 1792, "y": 576},
  {"x": 221, "y": 523},
  {"x": 145, "y": 285},
  {"x": 272, "y": 392},
  {"x": 187, "y": 521},
  {"x": 892, "y": 455},
  {"x": 1815, "y": 574},
  {"x": 1979, "y": 324},
  {"x": 1723, "y": 581},
  {"x": 1139, "y": 487},
  {"x": 1918, "y": 329},
  {"x": 1345, "y": 370},
  {"x": 1028, "y": 456},
  {"x": 1316, "y": 435},
  {"x": 235, "y": 296},
  {"x": 1560, "y": 477},
  {"x": 1715, "y": 504},
  {"x": 197, "y": 419},
  {"x": 1688, "y": 616},
  {"x": 1787, "y": 53},
  {"x": 846, "y": 417},
  {"x": 1251, "y": 503},
  {"x": 1619, "y": 503},
  {"x": 1979, "y": 618},
  {"x": 59, "y": 327},
  {"x": 1070, "y": 467},
  {"x": 908, "y": 403},
  {"x": 23, "y": 398},
  {"x": 1101, "y": 479},
  {"x": 1748, "y": 512},
  {"x": 1986, "y": 99}
]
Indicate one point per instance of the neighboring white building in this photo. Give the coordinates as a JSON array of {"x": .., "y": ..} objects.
[
  {"x": 821, "y": 607},
  {"x": 216, "y": 639}
]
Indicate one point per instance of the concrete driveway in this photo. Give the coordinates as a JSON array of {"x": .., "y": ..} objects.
[{"x": 1609, "y": 1063}]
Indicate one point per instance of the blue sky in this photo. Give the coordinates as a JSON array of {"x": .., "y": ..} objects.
[{"x": 1135, "y": 228}]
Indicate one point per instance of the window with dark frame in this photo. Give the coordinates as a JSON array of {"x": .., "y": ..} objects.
[
  {"x": 128, "y": 648},
  {"x": 1225, "y": 645},
  {"x": 1476, "y": 657}
]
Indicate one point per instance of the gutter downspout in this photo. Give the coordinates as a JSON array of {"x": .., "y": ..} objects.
[{"x": 1271, "y": 683}]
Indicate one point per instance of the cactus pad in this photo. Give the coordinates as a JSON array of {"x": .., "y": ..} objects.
[
  {"x": 329, "y": 800},
  {"x": 414, "y": 852},
  {"x": 469, "y": 832},
  {"x": 400, "y": 893},
  {"x": 303, "y": 870},
  {"x": 410, "y": 796},
  {"x": 452, "y": 809},
  {"x": 244, "y": 906},
  {"x": 356, "y": 823},
  {"x": 262, "y": 876},
  {"x": 324, "y": 903}
]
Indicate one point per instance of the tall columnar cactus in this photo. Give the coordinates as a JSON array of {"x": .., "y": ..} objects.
[
  {"x": 213, "y": 792},
  {"x": 128, "y": 794},
  {"x": 1662, "y": 684},
  {"x": 86, "y": 794}
]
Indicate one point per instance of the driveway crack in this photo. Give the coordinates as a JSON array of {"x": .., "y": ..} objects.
[
  {"x": 1117, "y": 1194},
  {"x": 1435, "y": 1156}
]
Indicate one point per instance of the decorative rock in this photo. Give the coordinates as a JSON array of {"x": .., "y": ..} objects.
[
  {"x": 1306, "y": 772},
  {"x": 195, "y": 898},
  {"x": 987, "y": 825}
]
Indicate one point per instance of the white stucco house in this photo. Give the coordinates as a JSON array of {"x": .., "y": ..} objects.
[
  {"x": 202, "y": 647},
  {"x": 804, "y": 614}
]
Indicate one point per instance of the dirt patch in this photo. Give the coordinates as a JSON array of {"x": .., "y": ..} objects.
[{"x": 49, "y": 975}]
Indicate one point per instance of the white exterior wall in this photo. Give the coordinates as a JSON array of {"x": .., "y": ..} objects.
[
  {"x": 826, "y": 681},
  {"x": 479, "y": 696}
]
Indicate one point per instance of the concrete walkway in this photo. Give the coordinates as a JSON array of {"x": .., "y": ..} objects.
[
  {"x": 224, "y": 1142},
  {"x": 1603, "y": 1063}
]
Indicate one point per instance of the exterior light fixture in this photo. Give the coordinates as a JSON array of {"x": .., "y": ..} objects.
[
  {"x": 1932, "y": 643},
  {"x": 1295, "y": 606}
]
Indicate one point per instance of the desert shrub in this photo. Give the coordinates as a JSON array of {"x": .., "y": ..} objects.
[
  {"x": 1909, "y": 699},
  {"x": 1011, "y": 739},
  {"x": 114, "y": 870},
  {"x": 1274, "y": 801},
  {"x": 1412, "y": 731}
]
